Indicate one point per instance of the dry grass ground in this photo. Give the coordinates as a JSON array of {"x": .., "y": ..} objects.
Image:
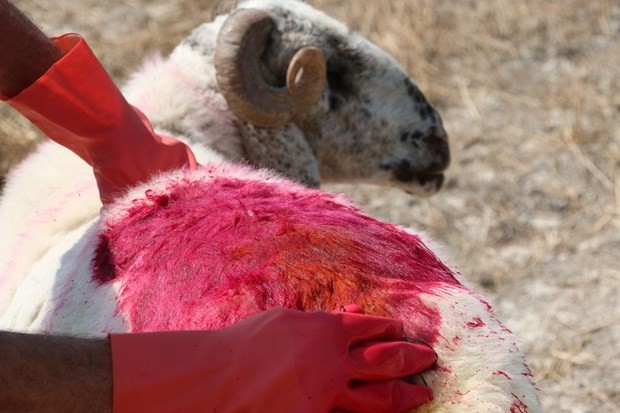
[{"x": 529, "y": 92}]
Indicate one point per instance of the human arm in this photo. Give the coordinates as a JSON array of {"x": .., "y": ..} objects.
[
  {"x": 26, "y": 53},
  {"x": 76, "y": 103},
  {"x": 49, "y": 374},
  {"x": 278, "y": 360}
]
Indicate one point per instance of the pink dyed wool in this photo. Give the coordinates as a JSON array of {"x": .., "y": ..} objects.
[
  {"x": 207, "y": 255},
  {"x": 206, "y": 248}
]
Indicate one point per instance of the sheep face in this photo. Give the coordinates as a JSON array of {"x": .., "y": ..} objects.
[
  {"x": 371, "y": 123},
  {"x": 374, "y": 124},
  {"x": 366, "y": 122}
]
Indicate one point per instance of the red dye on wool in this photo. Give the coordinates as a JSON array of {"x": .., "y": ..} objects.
[
  {"x": 103, "y": 263},
  {"x": 501, "y": 373},
  {"x": 475, "y": 323},
  {"x": 208, "y": 254},
  {"x": 518, "y": 406}
]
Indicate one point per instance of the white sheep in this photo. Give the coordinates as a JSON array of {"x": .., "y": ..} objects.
[
  {"x": 370, "y": 123},
  {"x": 205, "y": 248}
]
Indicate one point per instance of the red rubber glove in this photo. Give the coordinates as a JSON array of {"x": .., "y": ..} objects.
[
  {"x": 77, "y": 105},
  {"x": 277, "y": 361}
]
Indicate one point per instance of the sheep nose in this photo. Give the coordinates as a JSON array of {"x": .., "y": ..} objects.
[
  {"x": 437, "y": 141},
  {"x": 438, "y": 135}
]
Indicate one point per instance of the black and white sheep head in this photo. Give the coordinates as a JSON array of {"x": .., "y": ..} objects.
[{"x": 348, "y": 112}]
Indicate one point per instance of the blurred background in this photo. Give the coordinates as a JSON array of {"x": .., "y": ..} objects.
[{"x": 529, "y": 91}]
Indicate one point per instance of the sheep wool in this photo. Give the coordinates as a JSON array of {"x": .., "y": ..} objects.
[{"x": 204, "y": 249}]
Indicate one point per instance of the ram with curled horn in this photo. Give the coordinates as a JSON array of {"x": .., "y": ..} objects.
[
  {"x": 282, "y": 85},
  {"x": 286, "y": 87}
]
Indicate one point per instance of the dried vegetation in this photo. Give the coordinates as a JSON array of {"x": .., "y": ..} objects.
[{"x": 529, "y": 92}]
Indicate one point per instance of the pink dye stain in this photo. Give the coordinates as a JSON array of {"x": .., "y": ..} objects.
[
  {"x": 518, "y": 406},
  {"x": 501, "y": 373},
  {"x": 209, "y": 254},
  {"x": 443, "y": 369},
  {"x": 475, "y": 323}
]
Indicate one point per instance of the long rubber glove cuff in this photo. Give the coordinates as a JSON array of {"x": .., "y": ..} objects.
[
  {"x": 78, "y": 105},
  {"x": 277, "y": 361}
]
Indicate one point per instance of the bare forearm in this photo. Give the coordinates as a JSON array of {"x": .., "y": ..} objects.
[
  {"x": 41, "y": 373},
  {"x": 25, "y": 52}
]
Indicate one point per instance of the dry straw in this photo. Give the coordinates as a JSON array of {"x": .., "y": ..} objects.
[{"x": 530, "y": 95}]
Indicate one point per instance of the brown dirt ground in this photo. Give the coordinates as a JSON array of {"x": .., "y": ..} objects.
[{"x": 529, "y": 92}]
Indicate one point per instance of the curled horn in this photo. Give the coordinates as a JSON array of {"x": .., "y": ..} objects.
[{"x": 240, "y": 44}]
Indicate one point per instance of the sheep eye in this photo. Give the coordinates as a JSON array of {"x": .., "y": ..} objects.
[{"x": 338, "y": 81}]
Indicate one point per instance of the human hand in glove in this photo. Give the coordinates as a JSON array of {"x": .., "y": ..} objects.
[
  {"x": 61, "y": 87},
  {"x": 277, "y": 361}
]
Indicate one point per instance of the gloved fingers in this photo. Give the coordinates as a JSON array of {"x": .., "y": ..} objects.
[
  {"x": 390, "y": 396},
  {"x": 390, "y": 360},
  {"x": 360, "y": 328}
]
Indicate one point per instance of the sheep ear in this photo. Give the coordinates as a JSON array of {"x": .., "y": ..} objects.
[{"x": 283, "y": 149}]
